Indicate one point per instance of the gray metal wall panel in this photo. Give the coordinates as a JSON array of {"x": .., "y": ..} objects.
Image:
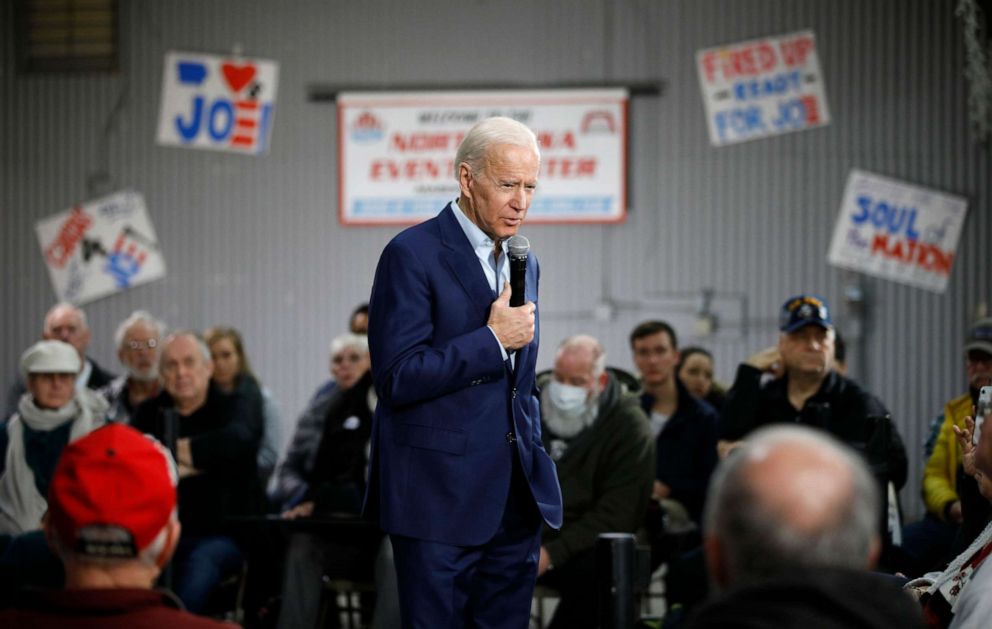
[{"x": 255, "y": 242}]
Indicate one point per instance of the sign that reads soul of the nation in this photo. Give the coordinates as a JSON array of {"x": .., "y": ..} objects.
[
  {"x": 762, "y": 87},
  {"x": 396, "y": 152},
  {"x": 100, "y": 247},
  {"x": 897, "y": 231},
  {"x": 217, "y": 103}
]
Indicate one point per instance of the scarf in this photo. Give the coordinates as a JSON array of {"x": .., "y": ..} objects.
[{"x": 21, "y": 506}]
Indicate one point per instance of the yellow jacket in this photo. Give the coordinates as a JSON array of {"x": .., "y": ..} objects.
[{"x": 941, "y": 473}]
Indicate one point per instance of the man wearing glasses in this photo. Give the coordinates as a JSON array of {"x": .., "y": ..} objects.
[{"x": 137, "y": 338}]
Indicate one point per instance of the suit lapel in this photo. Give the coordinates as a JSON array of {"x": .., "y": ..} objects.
[{"x": 461, "y": 260}]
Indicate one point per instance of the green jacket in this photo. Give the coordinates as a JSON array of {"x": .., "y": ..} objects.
[{"x": 606, "y": 475}]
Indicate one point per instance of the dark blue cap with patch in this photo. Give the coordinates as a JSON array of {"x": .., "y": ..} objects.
[{"x": 804, "y": 310}]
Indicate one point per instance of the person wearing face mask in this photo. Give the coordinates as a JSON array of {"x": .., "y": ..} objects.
[{"x": 601, "y": 442}]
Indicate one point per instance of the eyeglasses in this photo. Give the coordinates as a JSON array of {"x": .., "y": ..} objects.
[{"x": 136, "y": 345}]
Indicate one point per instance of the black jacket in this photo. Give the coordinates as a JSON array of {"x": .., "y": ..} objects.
[
  {"x": 224, "y": 435},
  {"x": 840, "y": 407},
  {"x": 686, "y": 449}
]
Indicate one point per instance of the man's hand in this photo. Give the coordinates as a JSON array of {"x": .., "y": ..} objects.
[
  {"x": 302, "y": 510},
  {"x": 966, "y": 444},
  {"x": 514, "y": 327},
  {"x": 661, "y": 490},
  {"x": 954, "y": 513},
  {"x": 768, "y": 360},
  {"x": 544, "y": 562},
  {"x": 184, "y": 453}
]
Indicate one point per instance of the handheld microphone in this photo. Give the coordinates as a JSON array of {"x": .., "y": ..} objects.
[{"x": 518, "y": 247}]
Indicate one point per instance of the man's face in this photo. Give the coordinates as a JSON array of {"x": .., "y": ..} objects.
[
  {"x": 808, "y": 350},
  {"x": 65, "y": 324},
  {"x": 575, "y": 367},
  {"x": 348, "y": 365},
  {"x": 978, "y": 365},
  {"x": 359, "y": 323},
  {"x": 139, "y": 352},
  {"x": 51, "y": 390},
  {"x": 185, "y": 371},
  {"x": 499, "y": 196},
  {"x": 655, "y": 358}
]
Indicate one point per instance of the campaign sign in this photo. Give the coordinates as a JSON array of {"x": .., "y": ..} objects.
[
  {"x": 217, "y": 103},
  {"x": 897, "y": 231},
  {"x": 100, "y": 247},
  {"x": 762, "y": 87},
  {"x": 396, "y": 152}
]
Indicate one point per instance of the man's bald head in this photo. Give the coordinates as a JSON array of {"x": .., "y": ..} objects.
[
  {"x": 790, "y": 498},
  {"x": 67, "y": 323}
]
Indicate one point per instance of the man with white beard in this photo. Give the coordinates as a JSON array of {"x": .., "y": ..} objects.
[
  {"x": 137, "y": 338},
  {"x": 601, "y": 442}
]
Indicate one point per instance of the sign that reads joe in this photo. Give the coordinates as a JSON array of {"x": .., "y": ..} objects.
[
  {"x": 396, "y": 152},
  {"x": 897, "y": 231},
  {"x": 762, "y": 87},
  {"x": 217, "y": 103}
]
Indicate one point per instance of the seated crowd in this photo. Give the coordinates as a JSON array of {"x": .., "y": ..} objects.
[{"x": 773, "y": 503}]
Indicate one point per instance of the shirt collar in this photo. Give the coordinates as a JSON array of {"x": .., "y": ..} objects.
[{"x": 476, "y": 237}]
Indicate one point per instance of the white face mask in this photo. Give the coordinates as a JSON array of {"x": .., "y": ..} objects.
[{"x": 569, "y": 400}]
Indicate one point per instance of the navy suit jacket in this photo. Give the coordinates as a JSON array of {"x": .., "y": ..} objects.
[{"x": 440, "y": 462}]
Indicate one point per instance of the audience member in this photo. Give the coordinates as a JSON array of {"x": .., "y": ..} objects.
[
  {"x": 233, "y": 375},
  {"x": 137, "y": 340},
  {"x": 50, "y": 415},
  {"x": 947, "y": 597},
  {"x": 324, "y": 474},
  {"x": 216, "y": 441},
  {"x": 974, "y": 605},
  {"x": 685, "y": 428},
  {"x": 949, "y": 526},
  {"x": 601, "y": 442},
  {"x": 112, "y": 521},
  {"x": 695, "y": 370},
  {"x": 66, "y": 323},
  {"x": 359, "y": 321},
  {"x": 791, "y": 535},
  {"x": 806, "y": 390}
]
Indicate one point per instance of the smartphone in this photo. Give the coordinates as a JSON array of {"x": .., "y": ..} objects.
[{"x": 982, "y": 410}]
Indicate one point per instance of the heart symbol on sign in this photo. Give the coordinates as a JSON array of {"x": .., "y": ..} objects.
[{"x": 238, "y": 76}]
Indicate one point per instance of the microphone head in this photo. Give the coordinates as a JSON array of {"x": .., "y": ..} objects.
[{"x": 517, "y": 246}]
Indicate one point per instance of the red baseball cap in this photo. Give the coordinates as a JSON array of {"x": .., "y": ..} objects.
[{"x": 112, "y": 493}]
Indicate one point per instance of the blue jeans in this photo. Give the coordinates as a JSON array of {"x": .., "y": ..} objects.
[{"x": 200, "y": 563}]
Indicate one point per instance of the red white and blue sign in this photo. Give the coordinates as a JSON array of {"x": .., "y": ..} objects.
[
  {"x": 897, "y": 231},
  {"x": 396, "y": 152},
  {"x": 100, "y": 247},
  {"x": 217, "y": 103},
  {"x": 762, "y": 87}
]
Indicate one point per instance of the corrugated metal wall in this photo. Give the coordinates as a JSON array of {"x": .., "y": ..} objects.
[{"x": 254, "y": 242}]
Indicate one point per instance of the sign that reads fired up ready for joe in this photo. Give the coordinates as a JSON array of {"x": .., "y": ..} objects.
[
  {"x": 762, "y": 87},
  {"x": 396, "y": 152},
  {"x": 897, "y": 231}
]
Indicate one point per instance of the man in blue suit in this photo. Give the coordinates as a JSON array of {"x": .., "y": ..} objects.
[{"x": 458, "y": 476}]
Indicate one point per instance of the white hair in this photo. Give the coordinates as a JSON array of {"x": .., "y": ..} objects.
[
  {"x": 66, "y": 305},
  {"x": 200, "y": 343},
  {"x": 585, "y": 341},
  {"x": 757, "y": 542},
  {"x": 349, "y": 339},
  {"x": 488, "y": 133},
  {"x": 138, "y": 316}
]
